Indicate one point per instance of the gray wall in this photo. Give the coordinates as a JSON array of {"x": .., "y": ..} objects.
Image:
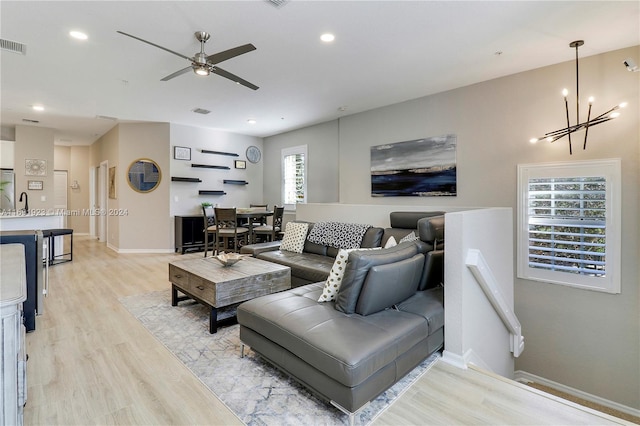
[
  {"x": 322, "y": 165},
  {"x": 582, "y": 339}
]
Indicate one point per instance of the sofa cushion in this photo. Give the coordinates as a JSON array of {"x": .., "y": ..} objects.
[
  {"x": 433, "y": 274},
  {"x": 409, "y": 220},
  {"x": 431, "y": 230},
  {"x": 387, "y": 285},
  {"x": 358, "y": 267},
  {"x": 347, "y": 348},
  {"x": 295, "y": 235},
  {"x": 334, "y": 280},
  {"x": 429, "y": 304},
  {"x": 305, "y": 266},
  {"x": 372, "y": 238}
]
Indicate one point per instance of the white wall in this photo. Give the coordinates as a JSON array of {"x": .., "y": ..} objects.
[
  {"x": 184, "y": 195},
  {"x": 474, "y": 333},
  {"x": 370, "y": 214},
  {"x": 574, "y": 337}
]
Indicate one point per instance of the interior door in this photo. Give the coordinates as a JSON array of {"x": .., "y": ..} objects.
[
  {"x": 102, "y": 202},
  {"x": 60, "y": 179}
]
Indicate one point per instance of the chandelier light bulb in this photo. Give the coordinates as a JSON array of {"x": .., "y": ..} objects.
[{"x": 591, "y": 121}]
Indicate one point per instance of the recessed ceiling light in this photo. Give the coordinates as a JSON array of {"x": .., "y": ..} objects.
[
  {"x": 251, "y": 121},
  {"x": 79, "y": 35},
  {"x": 38, "y": 108},
  {"x": 327, "y": 37}
]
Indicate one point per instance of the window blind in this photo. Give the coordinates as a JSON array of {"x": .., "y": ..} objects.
[{"x": 567, "y": 224}]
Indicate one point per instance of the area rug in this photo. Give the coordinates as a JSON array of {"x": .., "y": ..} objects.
[{"x": 256, "y": 392}]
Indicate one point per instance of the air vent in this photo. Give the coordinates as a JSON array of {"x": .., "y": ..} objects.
[
  {"x": 201, "y": 111},
  {"x": 277, "y": 3},
  {"x": 26, "y": 120},
  {"x": 13, "y": 46}
]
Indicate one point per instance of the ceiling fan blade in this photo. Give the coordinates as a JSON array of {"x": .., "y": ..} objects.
[
  {"x": 158, "y": 46},
  {"x": 216, "y": 58},
  {"x": 233, "y": 77},
  {"x": 177, "y": 73}
]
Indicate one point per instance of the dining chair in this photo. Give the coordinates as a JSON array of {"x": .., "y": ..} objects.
[
  {"x": 209, "y": 227},
  {"x": 227, "y": 229},
  {"x": 271, "y": 232}
]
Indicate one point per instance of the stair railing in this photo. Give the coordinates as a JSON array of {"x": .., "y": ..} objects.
[{"x": 483, "y": 274}]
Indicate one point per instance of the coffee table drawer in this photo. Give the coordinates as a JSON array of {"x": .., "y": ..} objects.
[
  {"x": 178, "y": 276},
  {"x": 201, "y": 289}
]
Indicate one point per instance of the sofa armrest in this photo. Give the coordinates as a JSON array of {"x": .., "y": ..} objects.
[{"x": 255, "y": 249}]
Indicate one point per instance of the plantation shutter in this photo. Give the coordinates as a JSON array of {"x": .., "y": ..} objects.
[
  {"x": 567, "y": 224},
  {"x": 294, "y": 185}
]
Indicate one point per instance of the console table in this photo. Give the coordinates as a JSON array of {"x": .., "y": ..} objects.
[{"x": 189, "y": 233}]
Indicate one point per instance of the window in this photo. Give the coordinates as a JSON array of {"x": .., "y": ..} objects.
[
  {"x": 294, "y": 176},
  {"x": 569, "y": 224}
]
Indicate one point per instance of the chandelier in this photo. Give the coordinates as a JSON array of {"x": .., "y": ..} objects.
[{"x": 569, "y": 129}]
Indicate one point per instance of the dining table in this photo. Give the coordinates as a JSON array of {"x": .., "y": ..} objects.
[{"x": 251, "y": 214}]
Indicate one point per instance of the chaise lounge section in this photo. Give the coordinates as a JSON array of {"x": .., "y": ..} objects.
[{"x": 387, "y": 317}]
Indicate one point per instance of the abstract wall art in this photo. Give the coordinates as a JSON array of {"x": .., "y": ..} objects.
[{"x": 419, "y": 168}]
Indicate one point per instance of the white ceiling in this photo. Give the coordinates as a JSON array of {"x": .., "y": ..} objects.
[{"x": 384, "y": 53}]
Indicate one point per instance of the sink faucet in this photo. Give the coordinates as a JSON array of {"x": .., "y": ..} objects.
[{"x": 26, "y": 201}]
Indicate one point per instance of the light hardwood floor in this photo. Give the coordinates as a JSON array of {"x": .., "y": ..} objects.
[{"x": 91, "y": 362}]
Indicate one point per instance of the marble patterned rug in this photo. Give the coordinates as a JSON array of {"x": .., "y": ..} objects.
[{"x": 256, "y": 392}]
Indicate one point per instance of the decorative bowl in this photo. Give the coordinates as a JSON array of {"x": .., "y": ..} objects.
[{"x": 228, "y": 259}]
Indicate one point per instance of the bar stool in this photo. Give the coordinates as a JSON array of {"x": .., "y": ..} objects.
[{"x": 52, "y": 234}]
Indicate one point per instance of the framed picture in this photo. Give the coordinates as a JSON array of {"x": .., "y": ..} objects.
[
  {"x": 112, "y": 182},
  {"x": 181, "y": 153},
  {"x": 240, "y": 164},
  {"x": 35, "y": 167},
  {"x": 34, "y": 185}
]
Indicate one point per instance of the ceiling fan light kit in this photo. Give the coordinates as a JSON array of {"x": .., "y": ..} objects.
[
  {"x": 569, "y": 129},
  {"x": 203, "y": 64}
]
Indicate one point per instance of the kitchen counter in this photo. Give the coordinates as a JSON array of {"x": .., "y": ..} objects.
[{"x": 19, "y": 222}]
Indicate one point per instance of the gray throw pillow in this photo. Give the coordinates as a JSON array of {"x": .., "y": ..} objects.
[{"x": 358, "y": 267}]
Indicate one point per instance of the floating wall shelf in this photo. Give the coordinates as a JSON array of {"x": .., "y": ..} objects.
[
  {"x": 235, "y": 182},
  {"x": 205, "y": 192},
  {"x": 231, "y": 154},
  {"x": 207, "y": 166},
  {"x": 184, "y": 179}
]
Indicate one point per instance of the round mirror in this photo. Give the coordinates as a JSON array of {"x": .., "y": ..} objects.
[{"x": 144, "y": 175}]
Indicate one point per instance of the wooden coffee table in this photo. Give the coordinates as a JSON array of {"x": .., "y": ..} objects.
[{"x": 215, "y": 286}]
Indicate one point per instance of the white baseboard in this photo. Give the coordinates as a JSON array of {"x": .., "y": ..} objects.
[
  {"x": 145, "y": 251},
  {"x": 524, "y": 377},
  {"x": 469, "y": 357},
  {"x": 454, "y": 359}
]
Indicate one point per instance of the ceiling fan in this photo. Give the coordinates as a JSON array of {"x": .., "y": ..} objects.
[{"x": 203, "y": 64}]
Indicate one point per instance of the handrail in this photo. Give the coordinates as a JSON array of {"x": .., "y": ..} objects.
[{"x": 483, "y": 274}]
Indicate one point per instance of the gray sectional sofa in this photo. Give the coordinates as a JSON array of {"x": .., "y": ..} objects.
[
  {"x": 315, "y": 261},
  {"x": 387, "y": 317}
]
